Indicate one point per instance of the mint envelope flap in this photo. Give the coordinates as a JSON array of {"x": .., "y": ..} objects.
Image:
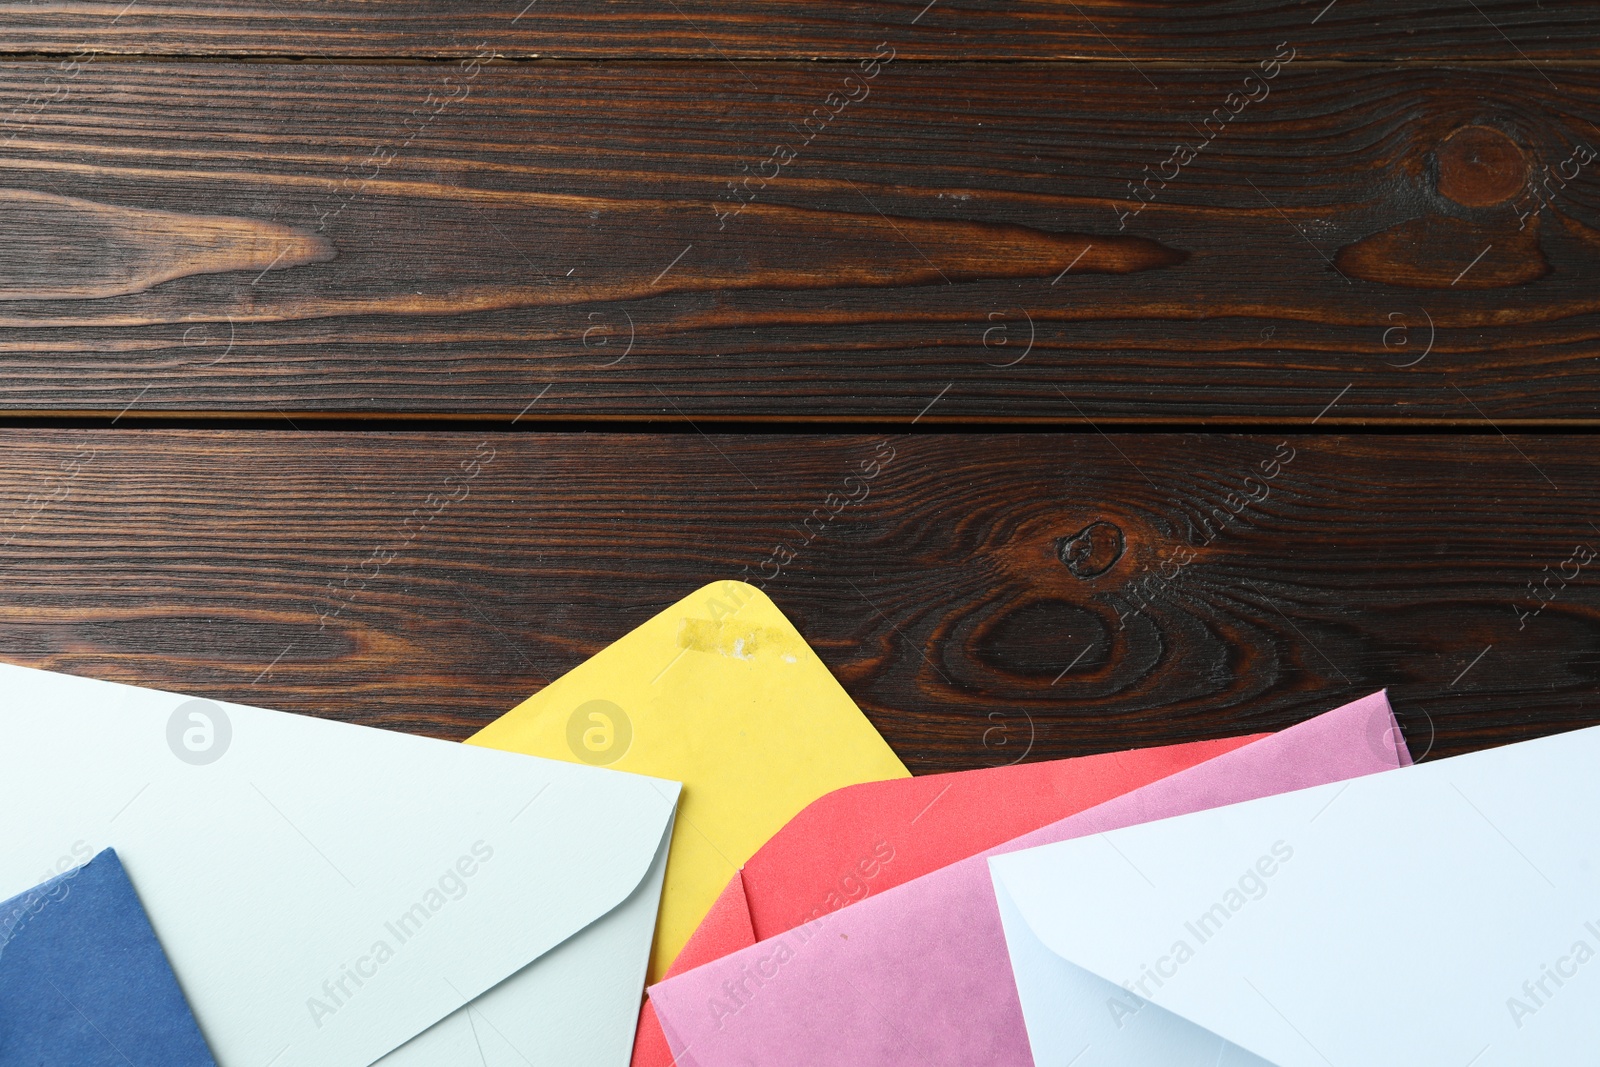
[
  {"x": 324, "y": 891},
  {"x": 578, "y": 1004},
  {"x": 1437, "y": 914},
  {"x": 83, "y": 980}
]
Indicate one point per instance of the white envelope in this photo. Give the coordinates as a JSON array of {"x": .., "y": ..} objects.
[
  {"x": 327, "y": 892},
  {"x": 1447, "y": 914},
  {"x": 1066, "y": 1011}
]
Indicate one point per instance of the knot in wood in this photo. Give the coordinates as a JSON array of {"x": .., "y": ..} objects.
[
  {"x": 1091, "y": 551},
  {"x": 1479, "y": 166}
]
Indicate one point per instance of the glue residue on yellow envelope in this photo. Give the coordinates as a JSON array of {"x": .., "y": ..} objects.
[{"x": 721, "y": 693}]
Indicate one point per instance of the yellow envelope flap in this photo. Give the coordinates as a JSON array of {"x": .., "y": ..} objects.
[{"x": 721, "y": 693}]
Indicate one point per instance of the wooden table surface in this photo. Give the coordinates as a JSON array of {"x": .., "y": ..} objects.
[{"x": 1232, "y": 359}]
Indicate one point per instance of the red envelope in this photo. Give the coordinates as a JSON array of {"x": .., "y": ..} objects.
[{"x": 866, "y": 838}]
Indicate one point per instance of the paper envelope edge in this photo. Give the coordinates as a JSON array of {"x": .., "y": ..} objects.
[
  {"x": 1009, "y": 908},
  {"x": 183, "y": 1028},
  {"x": 695, "y": 604},
  {"x": 1368, "y": 744},
  {"x": 401, "y": 1057},
  {"x": 625, "y": 888},
  {"x": 999, "y": 864},
  {"x": 485, "y": 736},
  {"x": 1013, "y": 925},
  {"x": 722, "y": 924},
  {"x": 670, "y": 792}
]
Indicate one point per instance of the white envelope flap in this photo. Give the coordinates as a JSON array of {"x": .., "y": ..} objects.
[
  {"x": 1417, "y": 916},
  {"x": 324, "y": 891},
  {"x": 1078, "y": 1018}
]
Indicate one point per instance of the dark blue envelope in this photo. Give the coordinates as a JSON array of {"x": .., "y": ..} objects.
[{"x": 84, "y": 982}]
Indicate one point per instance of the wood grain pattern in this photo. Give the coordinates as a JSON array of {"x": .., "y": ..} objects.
[
  {"x": 1288, "y": 215},
  {"x": 974, "y": 593},
  {"x": 1418, "y": 244},
  {"x": 61, "y": 248},
  {"x": 944, "y": 29}
]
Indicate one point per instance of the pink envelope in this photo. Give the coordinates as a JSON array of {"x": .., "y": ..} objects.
[{"x": 919, "y": 974}]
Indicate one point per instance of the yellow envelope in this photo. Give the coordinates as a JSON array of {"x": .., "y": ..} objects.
[{"x": 721, "y": 693}]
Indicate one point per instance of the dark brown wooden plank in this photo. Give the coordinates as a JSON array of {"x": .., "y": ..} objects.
[
  {"x": 943, "y": 29},
  {"x": 1112, "y": 592},
  {"x": 329, "y": 241}
]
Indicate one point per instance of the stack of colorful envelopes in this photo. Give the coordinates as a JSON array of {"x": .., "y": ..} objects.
[{"x": 702, "y": 810}]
